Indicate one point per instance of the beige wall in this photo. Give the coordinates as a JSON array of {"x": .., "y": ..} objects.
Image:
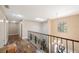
[{"x": 72, "y": 29}]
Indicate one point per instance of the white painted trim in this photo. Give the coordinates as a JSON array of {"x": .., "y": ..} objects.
[
  {"x": 14, "y": 34},
  {"x": 24, "y": 38}
]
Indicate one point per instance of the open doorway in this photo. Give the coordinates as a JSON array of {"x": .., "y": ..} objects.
[{"x": 14, "y": 31}]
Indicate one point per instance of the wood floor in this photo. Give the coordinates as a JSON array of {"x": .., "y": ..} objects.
[{"x": 17, "y": 45}]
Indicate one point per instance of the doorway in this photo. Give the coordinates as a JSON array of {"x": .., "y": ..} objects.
[{"x": 14, "y": 31}]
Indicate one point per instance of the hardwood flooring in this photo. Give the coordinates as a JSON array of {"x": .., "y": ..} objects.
[{"x": 17, "y": 45}]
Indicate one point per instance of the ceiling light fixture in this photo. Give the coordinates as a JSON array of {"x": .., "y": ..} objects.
[
  {"x": 39, "y": 19},
  {"x": 2, "y": 21},
  {"x": 7, "y": 21},
  {"x": 19, "y": 15},
  {"x": 13, "y": 21}
]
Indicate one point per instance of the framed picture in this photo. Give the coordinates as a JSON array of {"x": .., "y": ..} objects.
[{"x": 62, "y": 27}]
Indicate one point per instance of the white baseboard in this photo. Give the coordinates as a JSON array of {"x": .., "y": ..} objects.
[
  {"x": 13, "y": 34},
  {"x": 24, "y": 38}
]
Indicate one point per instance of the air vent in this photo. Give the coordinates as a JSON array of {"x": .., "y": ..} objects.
[{"x": 6, "y": 6}]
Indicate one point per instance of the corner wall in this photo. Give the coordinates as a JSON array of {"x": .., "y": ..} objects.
[{"x": 29, "y": 26}]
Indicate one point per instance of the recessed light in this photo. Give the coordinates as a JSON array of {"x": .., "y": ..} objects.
[
  {"x": 39, "y": 19},
  {"x": 19, "y": 15},
  {"x": 13, "y": 21},
  {"x": 1, "y": 20},
  {"x": 7, "y": 21}
]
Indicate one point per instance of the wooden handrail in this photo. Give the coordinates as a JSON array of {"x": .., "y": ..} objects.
[{"x": 55, "y": 36}]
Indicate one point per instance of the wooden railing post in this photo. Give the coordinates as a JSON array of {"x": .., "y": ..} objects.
[
  {"x": 66, "y": 46},
  {"x": 53, "y": 45},
  {"x": 61, "y": 41},
  {"x": 49, "y": 39},
  {"x": 73, "y": 46}
]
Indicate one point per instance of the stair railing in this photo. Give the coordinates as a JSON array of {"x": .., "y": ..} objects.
[{"x": 50, "y": 40}]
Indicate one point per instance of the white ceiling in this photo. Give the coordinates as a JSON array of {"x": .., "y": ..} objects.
[{"x": 30, "y": 12}]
